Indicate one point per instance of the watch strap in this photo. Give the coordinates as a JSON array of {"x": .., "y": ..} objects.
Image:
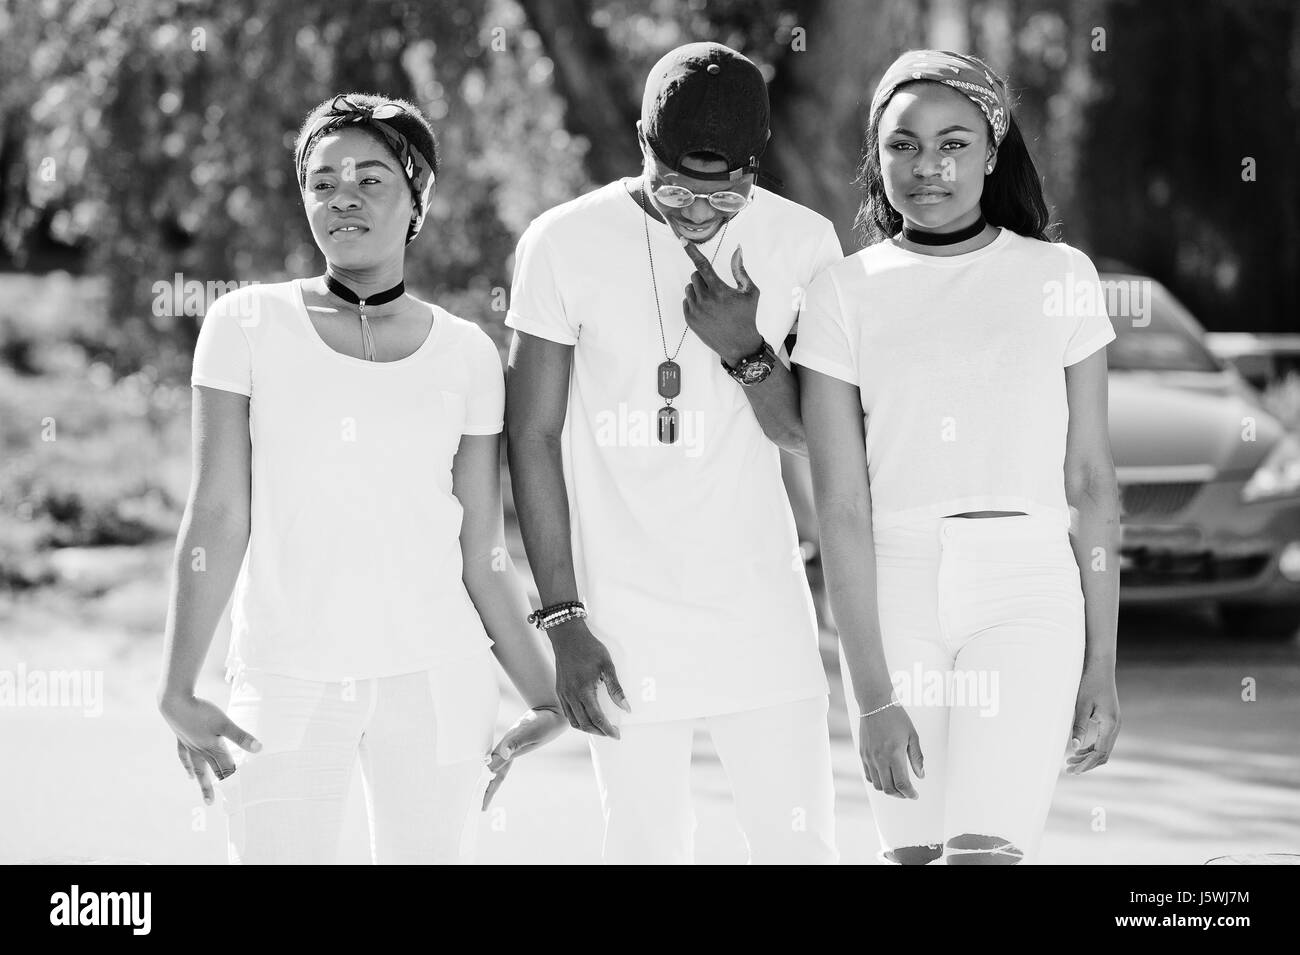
[{"x": 764, "y": 354}]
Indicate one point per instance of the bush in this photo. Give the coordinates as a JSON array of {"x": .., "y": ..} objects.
[{"x": 87, "y": 461}]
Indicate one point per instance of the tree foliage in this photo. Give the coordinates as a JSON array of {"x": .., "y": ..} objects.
[{"x": 141, "y": 141}]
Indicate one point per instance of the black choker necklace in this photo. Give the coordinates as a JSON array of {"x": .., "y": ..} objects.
[
  {"x": 379, "y": 298},
  {"x": 945, "y": 238}
]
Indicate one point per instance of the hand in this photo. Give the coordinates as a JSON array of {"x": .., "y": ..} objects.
[
  {"x": 887, "y": 742},
  {"x": 535, "y": 728},
  {"x": 1096, "y": 720},
  {"x": 723, "y": 317},
  {"x": 581, "y": 664},
  {"x": 199, "y": 726}
]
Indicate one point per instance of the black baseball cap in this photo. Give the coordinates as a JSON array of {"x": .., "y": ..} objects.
[{"x": 706, "y": 97}]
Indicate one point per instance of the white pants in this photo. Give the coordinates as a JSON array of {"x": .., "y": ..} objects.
[
  {"x": 777, "y": 759},
  {"x": 983, "y": 631},
  {"x": 422, "y": 740}
]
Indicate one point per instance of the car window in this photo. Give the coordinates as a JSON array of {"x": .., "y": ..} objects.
[{"x": 1153, "y": 331}]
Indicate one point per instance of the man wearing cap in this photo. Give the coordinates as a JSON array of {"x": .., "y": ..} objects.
[{"x": 649, "y": 396}]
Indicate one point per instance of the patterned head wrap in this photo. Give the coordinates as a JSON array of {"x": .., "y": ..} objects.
[
  {"x": 968, "y": 75},
  {"x": 416, "y": 169}
]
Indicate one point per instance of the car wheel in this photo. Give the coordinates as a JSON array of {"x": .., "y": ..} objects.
[{"x": 1248, "y": 620}]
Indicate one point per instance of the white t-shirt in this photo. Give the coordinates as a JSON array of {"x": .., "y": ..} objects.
[
  {"x": 686, "y": 554},
  {"x": 353, "y": 568},
  {"x": 959, "y": 361}
]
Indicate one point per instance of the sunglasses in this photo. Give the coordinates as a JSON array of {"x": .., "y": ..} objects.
[{"x": 679, "y": 197}]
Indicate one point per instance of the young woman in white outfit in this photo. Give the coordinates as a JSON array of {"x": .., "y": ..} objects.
[
  {"x": 954, "y": 397},
  {"x": 346, "y": 468}
]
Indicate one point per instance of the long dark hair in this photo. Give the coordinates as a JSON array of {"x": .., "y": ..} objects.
[{"x": 1012, "y": 199}]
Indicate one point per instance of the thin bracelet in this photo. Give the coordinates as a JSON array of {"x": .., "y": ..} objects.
[{"x": 878, "y": 709}]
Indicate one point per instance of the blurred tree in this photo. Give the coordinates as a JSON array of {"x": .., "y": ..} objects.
[
  {"x": 831, "y": 57},
  {"x": 816, "y": 55},
  {"x": 822, "y": 58},
  {"x": 1194, "y": 98},
  {"x": 591, "y": 78},
  {"x": 154, "y": 138},
  {"x": 169, "y": 128}
]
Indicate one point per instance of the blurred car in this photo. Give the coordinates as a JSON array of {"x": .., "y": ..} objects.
[
  {"x": 1262, "y": 359},
  {"x": 1209, "y": 480}
]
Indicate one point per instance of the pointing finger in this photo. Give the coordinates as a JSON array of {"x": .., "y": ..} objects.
[
  {"x": 743, "y": 281},
  {"x": 701, "y": 263}
]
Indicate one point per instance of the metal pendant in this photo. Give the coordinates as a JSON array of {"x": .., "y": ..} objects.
[
  {"x": 670, "y": 380},
  {"x": 668, "y": 425}
]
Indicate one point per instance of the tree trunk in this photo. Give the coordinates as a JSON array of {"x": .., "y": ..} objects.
[
  {"x": 821, "y": 95},
  {"x": 591, "y": 80}
]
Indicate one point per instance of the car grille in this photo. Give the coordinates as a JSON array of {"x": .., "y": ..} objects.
[
  {"x": 1145, "y": 568},
  {"x": 1157, "y": 500}
]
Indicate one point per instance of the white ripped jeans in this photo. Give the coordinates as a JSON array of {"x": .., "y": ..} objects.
[
  {"x": 422, "y": 739},
  {"x": 982, "y": 624}
]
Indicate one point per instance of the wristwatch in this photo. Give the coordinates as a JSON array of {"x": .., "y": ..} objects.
[{"x": 754, "y": 368}]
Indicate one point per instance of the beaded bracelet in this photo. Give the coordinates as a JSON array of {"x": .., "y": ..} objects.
[
  {"x": 879, "y": 709},
  {"x": 559, "y": 618},
  {"x": 556, "y": 614}
]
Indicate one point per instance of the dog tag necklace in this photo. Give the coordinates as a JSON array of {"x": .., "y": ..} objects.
[{"x": 670, "y": 373}]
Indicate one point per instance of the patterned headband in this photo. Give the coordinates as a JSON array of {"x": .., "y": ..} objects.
[
  {"x": 344, "y": 112},
  {"x": 968, "y": 75}
]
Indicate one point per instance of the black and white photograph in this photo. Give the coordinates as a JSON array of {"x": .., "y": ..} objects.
[{"x": 598, "y": 432}]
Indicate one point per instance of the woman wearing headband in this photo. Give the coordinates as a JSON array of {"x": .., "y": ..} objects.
[
  {"x": 954, "y": 397},
  {"x": 347, "y": 474}
]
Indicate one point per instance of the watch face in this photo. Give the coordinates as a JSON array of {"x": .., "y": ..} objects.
[{"x": 756, "y": 371}]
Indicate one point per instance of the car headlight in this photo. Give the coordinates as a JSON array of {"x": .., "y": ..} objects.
[{"x": 1279, "y": 475}]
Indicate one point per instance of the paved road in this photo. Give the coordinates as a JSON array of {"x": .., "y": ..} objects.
[{"x": 1198, "y": 772}]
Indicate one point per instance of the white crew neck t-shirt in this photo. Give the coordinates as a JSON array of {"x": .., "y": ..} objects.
[
  {"x": 353, "y": 568},
  {"x": 960, "y": 364},
  {"x": 686, "y": 554}
]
